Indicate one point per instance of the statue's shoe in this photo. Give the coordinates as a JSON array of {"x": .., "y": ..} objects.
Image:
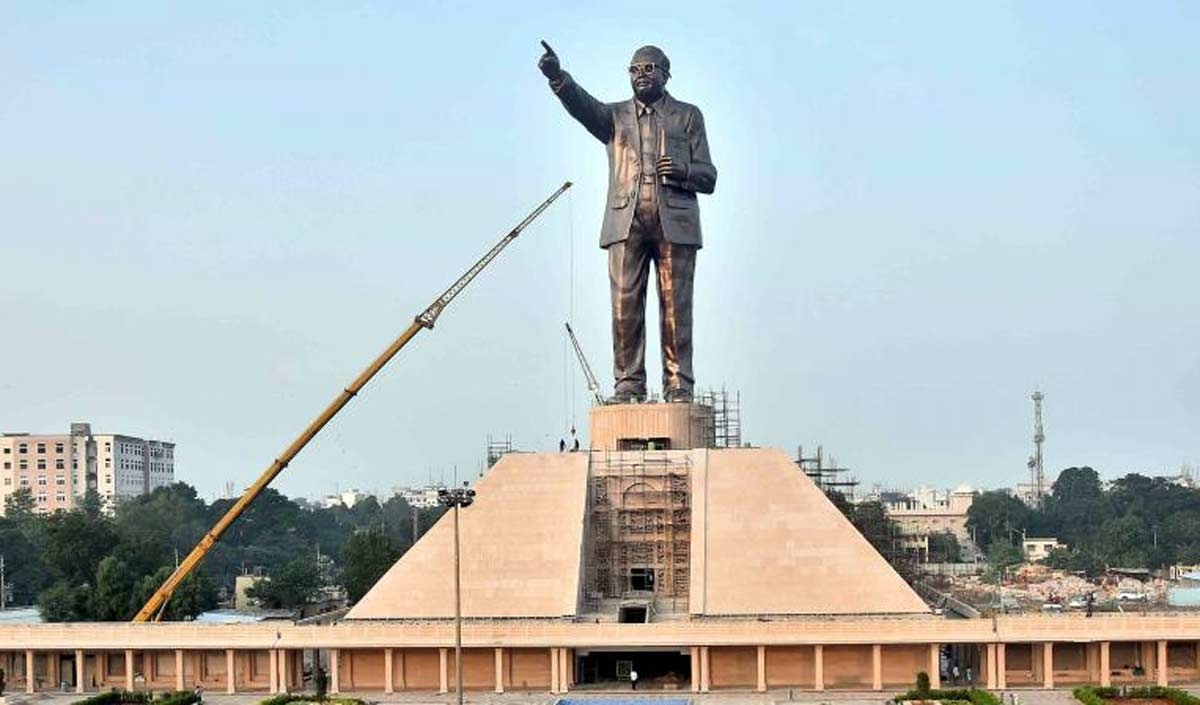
[{"x": 678, "y": 395}]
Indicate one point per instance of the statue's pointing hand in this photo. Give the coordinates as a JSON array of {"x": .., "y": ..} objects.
[{"x": 548, "y": 64}]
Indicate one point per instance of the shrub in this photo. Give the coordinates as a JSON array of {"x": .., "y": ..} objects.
[
  {"x": 285, "y": 698},
  {"x": 972, "y": 696},
  {"x": 923, "y": 685},
  {"x": 139, "y": 697},
  {"x": 321, "y": 682},
  {"x": 110, "y": 697},
  {"x": 1096, "y": 696},
  {"x": 179, "y": 697},
  {"x": 1089, "y": 696},
  {"x": 979, "y": 696}
]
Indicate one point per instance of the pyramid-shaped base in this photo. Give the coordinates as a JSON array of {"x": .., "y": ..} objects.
[{"x": 757, "y": 537}]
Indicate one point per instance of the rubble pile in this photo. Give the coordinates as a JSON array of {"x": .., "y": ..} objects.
[{"x": 1035, "y": 587}]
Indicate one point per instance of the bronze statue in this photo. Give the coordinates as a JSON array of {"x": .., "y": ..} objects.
[{"x": 657, "y": 162}]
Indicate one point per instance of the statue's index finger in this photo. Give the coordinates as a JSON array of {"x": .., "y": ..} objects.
[{"x": 547, "y": 48}]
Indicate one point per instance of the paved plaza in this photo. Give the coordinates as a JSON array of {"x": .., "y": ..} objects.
[{"x": 1034, "y": 696}]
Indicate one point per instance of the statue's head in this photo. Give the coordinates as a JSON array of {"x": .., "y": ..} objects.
[{"x": 649, "y": 70}]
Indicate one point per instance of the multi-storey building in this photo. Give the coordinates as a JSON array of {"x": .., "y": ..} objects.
[
  {"x": 40, "y": 464},
  {"x": 927, "y": 511},
  {"x": 58, "y": 469}
]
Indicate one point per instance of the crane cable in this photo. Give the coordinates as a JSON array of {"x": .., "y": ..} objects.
[{"x": 571, "y": 288}]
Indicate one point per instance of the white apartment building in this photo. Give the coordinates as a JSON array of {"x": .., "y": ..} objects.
[
  {"x": 420, "y": 497},
  {"x": 58, "y": 469}
]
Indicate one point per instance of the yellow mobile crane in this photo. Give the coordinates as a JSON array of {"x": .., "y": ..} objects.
[{"x": 153, "y": 609}]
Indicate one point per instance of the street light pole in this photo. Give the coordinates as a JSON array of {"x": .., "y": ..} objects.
[
  {"x": 457, "y": 498},
  {"x": 457, "y": 614}
]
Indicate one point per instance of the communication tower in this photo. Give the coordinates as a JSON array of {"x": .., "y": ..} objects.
[{"x": 1037, "y": 475}]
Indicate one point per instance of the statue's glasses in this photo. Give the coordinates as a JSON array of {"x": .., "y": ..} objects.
[{"x": 643, "y": 69}]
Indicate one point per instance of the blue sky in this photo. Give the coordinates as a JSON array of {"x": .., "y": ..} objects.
[{"x": 213, "y": 215}]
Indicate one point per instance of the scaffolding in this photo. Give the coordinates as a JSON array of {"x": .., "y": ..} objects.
[
  {"x": 497, "y": 449},
  {"x": 828, "y": 477},
  {"x": 723, "y": 417},
  {"x": 639, "y": 529}
]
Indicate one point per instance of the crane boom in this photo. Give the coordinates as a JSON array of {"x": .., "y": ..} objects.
[
  {"x": 593, "y": 385},
  {"x": 152, "y": 610}
]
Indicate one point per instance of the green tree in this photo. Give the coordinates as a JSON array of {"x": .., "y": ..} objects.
[
  {"x": 195, "y": 594},
  {"x": 92, "y": 505},
  {"x": 1076, "y": 560},
  {"x": 112, "y": 597},
  {"x": 995, "y": 516},
  {"x": 19, "y": 506},
  {"x": 294, "y": 586},
  {"x": 75, "y": 544},
  {"x": 944, "y": 548},
  {"x": 26, "y": 571},
  {"x": 1125, "y": 542},
  {"x": 271, "y": 532},
  {"x": 366, "y": 556},
  {"x": 1076, "y": 507},
  {"x": 155, "y": 529},
  {"x": 1003, "y": 555},
  {"x": 64, "y": 602}
]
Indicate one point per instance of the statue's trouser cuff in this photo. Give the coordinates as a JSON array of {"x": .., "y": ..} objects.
[{"x": 628, "y": 273}]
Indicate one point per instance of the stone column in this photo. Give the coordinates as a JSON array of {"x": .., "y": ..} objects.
[
  {"x": 1048, "y": 665},
  {"x": 30, "y": 678},
  {"x": 762, "y": 669},
  {"x": 876, "y": 667},
  {"x": 565, "y": 674},
  {"x": 1161, "y": 664},
  {"x": 991, "y": 667},
  {"x": 128, "y": 669},
  {"x": 79, "y": 671},
  {"x": 499, "y": 670},
  {"x": 179, "y": 669},
  {"x": 1001, "y": 666},
  {"x": 231, "y": 673},
  {"x": 1105, "y": 667},
  {"x": 285, "y": 683},
  {"x": 273, "y": 671},
  {"x": 553, "y": 669},
  {"x": 695, "y": 651},
  {"x": 335, "y": 685},
  {"x": 388, "y": 679},
  {"x": 1146, "y": 648},
  {"x": 705, "y": 676},
  {"x": 935, "y": 666},
  {"x": 818, "y": 667},
  {"x": 444, "y": 675}
]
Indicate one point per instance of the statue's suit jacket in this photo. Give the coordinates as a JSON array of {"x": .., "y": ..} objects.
[{"x": 615, "y": 124}]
